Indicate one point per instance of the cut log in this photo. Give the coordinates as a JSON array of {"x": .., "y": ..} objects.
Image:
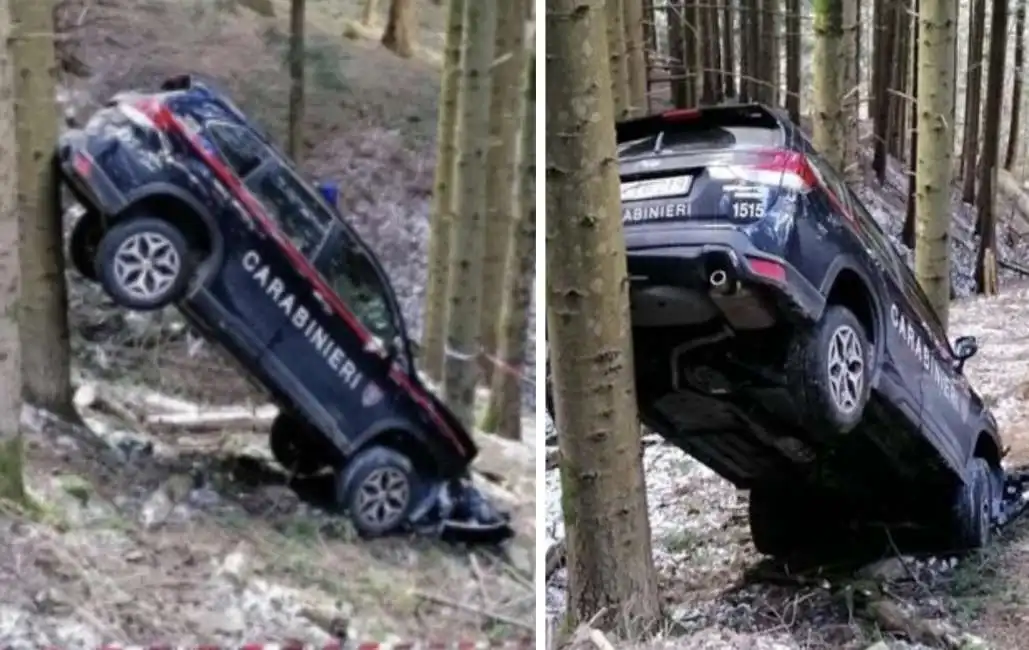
[
  {"x": 1019, "y": 196},
  {"x": 210, "y": 420}
]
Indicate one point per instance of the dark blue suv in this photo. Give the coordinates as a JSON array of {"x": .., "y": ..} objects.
[{"x": 187, "y": 203}]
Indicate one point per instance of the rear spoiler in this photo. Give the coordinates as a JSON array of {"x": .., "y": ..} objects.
[{"x": 756, "y": 115}]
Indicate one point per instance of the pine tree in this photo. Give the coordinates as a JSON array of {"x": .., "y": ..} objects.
[
  {"x": 464, "y": 286},
  {"x": 442, "y": 211},
  {"x": 607, "y": 531},
  {"x": 934, "y": 161},
  {"x": 12, "y": 482},
  {"x": 296, "y": 78},
  {"x": 399, "y": 36},
  {"x": 829, "y": 128},
  {"x": 45, "y": 346}
]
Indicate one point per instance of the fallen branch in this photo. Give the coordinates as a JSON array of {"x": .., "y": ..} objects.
[
  {"x": 213, "y": 420},
  {"x": 472, "y": 609}
]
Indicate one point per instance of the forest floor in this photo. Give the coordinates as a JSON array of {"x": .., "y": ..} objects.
[
  {"x": 718, "y": 590},
  {"x": 157, "y": 534}
]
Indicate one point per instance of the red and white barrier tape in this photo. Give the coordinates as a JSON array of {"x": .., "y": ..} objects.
[
  {"x": 405, "y": 645},
  {"x": 514, "y": 370}
]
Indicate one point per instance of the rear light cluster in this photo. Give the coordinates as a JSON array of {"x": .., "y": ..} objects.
[
  {"x": 786, "y": 169},
  {"x": 767, "y": 269}
]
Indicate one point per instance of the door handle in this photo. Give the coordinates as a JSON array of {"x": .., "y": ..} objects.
[{"x": 320, "y": 299}]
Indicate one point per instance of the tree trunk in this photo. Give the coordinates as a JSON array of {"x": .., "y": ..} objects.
[
  {"x": 296, "y": 79},
  {"x": 771, "y": 52},
  {"x": 610, "y": 566},
  {"x": 902, "y": 54},
  {"x": 709, "y": 54},
  {"x": 829, "y": 129},
  {"x": 1014, "y": 132},
  {"x": 793, "y": 59},
  {"x": 986, "y": 262},
  {"x": 973, "y": 92},
  {"x": 691, "y": 46},
  {"x": 635, "y": 60},
  {"x": 368, "y": 11},
  {"x": 729, "y": 49},
  {"x": 464, "y": 291},
  {"x": 907, "y": 233},
  {"x": 750, "y": 74},
  {"x": 851, "y": 98},
  {"x": 934, "y": 162},
  {"x": 886, "y": 26},
  {"x": 616, "y": 53},
  {"x": 45, "y": 346},
  {"x": 505, "y": 406},
  {"x": 434, "y": 324},
  {"x": 677, "y": 53},
  {"x": 399, "y": 36},
  {"x": 12, "y": 483},
  {"x": 501, "y": 161}
]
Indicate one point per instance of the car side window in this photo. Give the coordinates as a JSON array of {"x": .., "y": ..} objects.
[
  {"x": 242, "y": 151},
  {"x": 356, "y": 280},
  {"x": 298, "y": 213}
]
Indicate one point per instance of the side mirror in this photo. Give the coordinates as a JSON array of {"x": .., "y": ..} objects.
[
  {"x": 965, "y": 348},
  {"x": 330, "y": 192}
]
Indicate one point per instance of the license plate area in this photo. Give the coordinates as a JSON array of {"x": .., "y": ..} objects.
[{"x": 656, "y": 188}]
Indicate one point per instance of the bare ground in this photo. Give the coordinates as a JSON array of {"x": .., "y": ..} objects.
[{"x": 168, "y": 536}]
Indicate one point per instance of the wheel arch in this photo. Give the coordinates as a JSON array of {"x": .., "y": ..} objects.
[
  {"x": 403, "y": 436},
  {"x": 988, "y": 447},
  {"x": 176, "y": 206},
  {"x": 847, "y": 285}
]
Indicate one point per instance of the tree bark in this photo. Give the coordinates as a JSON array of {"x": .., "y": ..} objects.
[
  {"x": 616, "y": 53},
  {"x": 793, "y": 59},
  {"x": 1014, "y": 131},
  {"x": 729, "y": 49},
  {"x": 849, "y": 87},
  {"x": 501, "y": 161},
  {"x": 907, "y": 233},
  {"x": 399, "y": 36},
  {"x": 43, "y": 318},
  {"x": 12, "y": 482},
  {"x": 934, "y": 162},
  {"x": 681, "y": 97},
  {"x": 610, "y": 566},
  {"x": 750, "y": 75},
  {"x": 505, "y": 406},
  {"x": 829, "y": 129},
  {"x": 434, "y": 323},
  {"x": 635, "y": 59},
  {"x": 464, "y": 291},
  {"x": 973, "y": 91},
  {"x": 885, "y": 25},
  {"x": 986, "y": 259},
  {"x": 296, "y": 78}
]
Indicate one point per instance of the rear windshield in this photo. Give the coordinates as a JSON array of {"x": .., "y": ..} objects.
[{"x": 683, "y": 141}]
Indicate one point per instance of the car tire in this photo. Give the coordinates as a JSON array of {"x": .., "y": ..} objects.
[
  {"x": 144, "y": 263},
  {"x": 828, "y": 371},
  {"x": 777, "y": 523},
  {"x": 378, "y": 488},
  {"x": 973, "y": 506},
  {"x": 292, "y": 447},
  {"x": 84, "y": 243}
]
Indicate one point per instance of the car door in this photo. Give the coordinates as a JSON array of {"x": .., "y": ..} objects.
[
  {"x": 358, "y": 315},
  {"x": 945, "y": 395}
]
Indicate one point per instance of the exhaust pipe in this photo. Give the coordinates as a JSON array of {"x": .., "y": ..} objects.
[{"x": 718, "y": 279}]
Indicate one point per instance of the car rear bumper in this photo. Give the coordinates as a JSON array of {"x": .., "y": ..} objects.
[{"x": 694, "y": 258}]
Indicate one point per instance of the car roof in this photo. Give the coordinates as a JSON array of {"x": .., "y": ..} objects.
[{"x": 730, "y": 127}]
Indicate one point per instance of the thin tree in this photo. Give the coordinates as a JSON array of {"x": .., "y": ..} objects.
[
  {"x": 45, "y": 350},
  {"x": 881, "y": 99},
  {"x": 728, "y": 39},
  {"x": 399, "y": 35},
  {"x": 505, "y": 407},
  {"x": 442, "y": 211},
  {"x": 1016, "y": 87},
  {"x": 934, "y": 162},
  {"x": 635, "y": 56},
  {"x": 851, "y": 98},
  {"x": 617, "y": 55},
  {"x": 793, "y": 56},
  {"x": 907, "y": 233},
  {"x": 986, "y": 259},
  {"x": 973, "y": 92},
  {"x": 368, "y": 12},
  {"x": 681, "y": 95},
  {"x": 610, "y": 567},
  {"x": 501, "y": 162},
  {"x": 464, "y": 291},
  {"x": 12, "y": 482},
  {"x": 296, "y": 78},
  {"x": 829, "y": 131}
]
